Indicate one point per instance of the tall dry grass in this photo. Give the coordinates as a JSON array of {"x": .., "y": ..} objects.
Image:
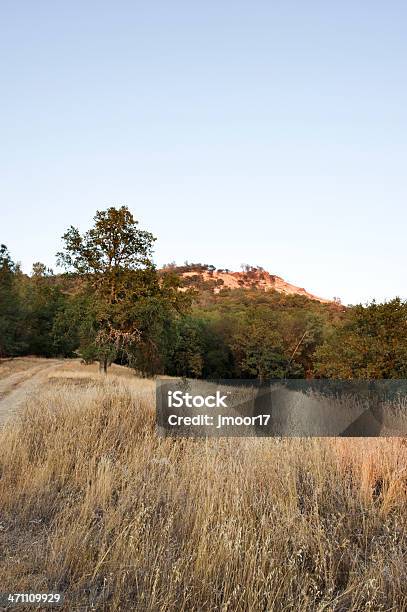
[{"x": 95, "y": 505}]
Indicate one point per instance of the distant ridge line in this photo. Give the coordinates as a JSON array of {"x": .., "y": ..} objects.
[{"x": 198, "y": 275}]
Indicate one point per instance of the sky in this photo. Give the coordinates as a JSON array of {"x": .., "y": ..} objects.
[{"x": 271, "y": 133}]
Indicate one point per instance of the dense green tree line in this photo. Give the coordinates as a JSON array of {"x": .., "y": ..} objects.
[{"x": 112, "y": 304}]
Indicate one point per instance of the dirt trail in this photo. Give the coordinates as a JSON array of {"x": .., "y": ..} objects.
[{"x": 15, "y": 388}]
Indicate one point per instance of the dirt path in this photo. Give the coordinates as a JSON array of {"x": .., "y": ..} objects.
[{"x": 16, "y": 387}]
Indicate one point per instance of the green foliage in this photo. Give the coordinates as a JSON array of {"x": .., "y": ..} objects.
[
  {"x": 259, "y": 350},
  {"x": 74, "y": 328},
  {"x": 371, "y": 343},
  {"x": 186, "y": 356},
  {"x": 130, "y": 307},
  {"x": 43, "y": 301},
  {"x": 108, "y": 252},
  {"x": 113, "y": 305},
  {"x": 11, "y": 341},
  {"x": 113, "y": 259},
  {"x": 262, "y": 335}
]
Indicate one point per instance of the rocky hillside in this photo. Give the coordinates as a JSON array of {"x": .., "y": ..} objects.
[{"x": 209, "y": 278}]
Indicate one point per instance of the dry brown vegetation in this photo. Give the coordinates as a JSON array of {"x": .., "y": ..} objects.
[{"x": 95, "y": 505}]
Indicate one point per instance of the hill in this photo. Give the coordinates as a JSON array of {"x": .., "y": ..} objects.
[{"x": 205, "y": 277}]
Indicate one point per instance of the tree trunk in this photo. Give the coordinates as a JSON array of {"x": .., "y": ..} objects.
[{"x": 103, "y": 365}]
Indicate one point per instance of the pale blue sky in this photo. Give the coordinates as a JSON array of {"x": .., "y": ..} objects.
[{"x": 272, "y": 133}]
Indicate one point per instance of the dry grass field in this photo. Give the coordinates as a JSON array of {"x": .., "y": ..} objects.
[{"x": 95, "y": 505}]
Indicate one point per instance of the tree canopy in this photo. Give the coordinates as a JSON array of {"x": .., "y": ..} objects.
[{"x": 112, "y": 304}]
